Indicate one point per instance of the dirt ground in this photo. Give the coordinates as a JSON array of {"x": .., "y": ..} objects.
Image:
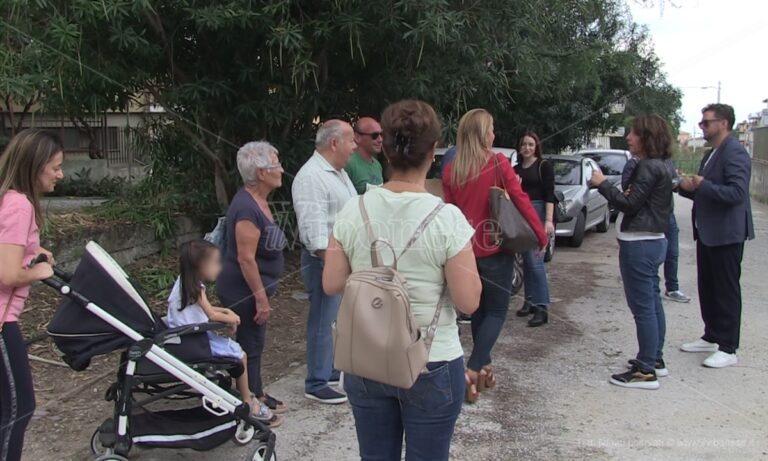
[
  {"x": 553, "y": 401},
  {"x": 71, "y": 405}
]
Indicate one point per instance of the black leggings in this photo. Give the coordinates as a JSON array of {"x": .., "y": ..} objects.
[{"x": 17, "y": 395}]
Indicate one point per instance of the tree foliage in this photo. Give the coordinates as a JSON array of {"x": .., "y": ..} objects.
[{"x": 235, "y": 70}]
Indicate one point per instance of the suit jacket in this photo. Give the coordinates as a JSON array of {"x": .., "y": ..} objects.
[{"x": 722, "y": 211}]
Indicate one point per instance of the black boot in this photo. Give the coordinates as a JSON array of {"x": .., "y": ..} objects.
[
  {"x": 540, "y": 316},
  {"x": 526, "y": 310}
]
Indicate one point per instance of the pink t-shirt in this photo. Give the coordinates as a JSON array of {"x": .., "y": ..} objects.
[{"x": 17, "y": 227}]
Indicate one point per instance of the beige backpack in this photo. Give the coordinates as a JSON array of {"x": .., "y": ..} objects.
[{"x": 375, "y": 335}]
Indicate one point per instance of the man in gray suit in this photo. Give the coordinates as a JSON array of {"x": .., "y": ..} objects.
[{"x": 722, "y": 221}]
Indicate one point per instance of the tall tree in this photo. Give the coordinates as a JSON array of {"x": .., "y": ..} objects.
[{"x": 235, "y": 70}]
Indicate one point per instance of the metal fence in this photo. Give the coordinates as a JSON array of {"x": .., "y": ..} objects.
[{"x": 94, "y": 137}]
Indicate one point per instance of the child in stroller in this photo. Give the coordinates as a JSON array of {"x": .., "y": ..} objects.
[{"x": 200, "y": 263}]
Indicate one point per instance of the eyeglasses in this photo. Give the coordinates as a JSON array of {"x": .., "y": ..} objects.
[
  {"x": 273, "y": 166},
  {"x": 374, "y": 135},
  {"x": 705, "y": 123}
]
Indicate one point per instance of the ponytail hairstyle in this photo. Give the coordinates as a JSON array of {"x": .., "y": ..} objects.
[
  {"x": 22, "y": 161},
  {"x": 193, "y": 254},
  {"x": 410, "y": 130}
]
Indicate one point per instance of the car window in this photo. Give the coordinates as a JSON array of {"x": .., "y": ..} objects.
[
  {"x": 567, "y": 172},
  {"x": 610, "y": 164}
]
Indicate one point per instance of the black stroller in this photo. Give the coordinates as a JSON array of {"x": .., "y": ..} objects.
[{"x": 102, "y": 311}]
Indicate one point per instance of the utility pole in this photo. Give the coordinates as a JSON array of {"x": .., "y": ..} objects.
[{"x": 718, "y": 91}]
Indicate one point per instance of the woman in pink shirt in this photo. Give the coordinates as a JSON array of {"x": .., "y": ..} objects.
[{"x": 30, "y": 166}]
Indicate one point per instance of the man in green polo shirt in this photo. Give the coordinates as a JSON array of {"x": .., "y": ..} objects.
[{"x": 363, "y": 168}]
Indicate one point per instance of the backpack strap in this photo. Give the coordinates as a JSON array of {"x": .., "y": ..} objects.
[
  {"x": 420, "y": 230},
  {"x": 432, "y": 329},
  {"x": 375, "y": 255}
]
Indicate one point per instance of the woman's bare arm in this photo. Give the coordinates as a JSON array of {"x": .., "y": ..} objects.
[
  {"x": 337, "y": 269},
  {"x": 463, "y": 280},
  {"x": 12, "y": 271}
]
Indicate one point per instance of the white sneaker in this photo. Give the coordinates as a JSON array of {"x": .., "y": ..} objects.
[
  {"x": 720, "y": 359},
  {"x": 699, "y": 346}
]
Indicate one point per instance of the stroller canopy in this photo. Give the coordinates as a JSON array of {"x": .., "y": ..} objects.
[{"x": 80, "y": 334}]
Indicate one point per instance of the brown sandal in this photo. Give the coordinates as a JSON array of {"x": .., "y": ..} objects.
[
  {"x": 487, "y": 377},
  {"x": 472, "y": 394}
]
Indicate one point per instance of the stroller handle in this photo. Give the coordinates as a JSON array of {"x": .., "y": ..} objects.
[{"x": 42, "y": 258}]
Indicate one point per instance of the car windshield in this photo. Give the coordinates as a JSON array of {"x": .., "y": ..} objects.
[
  {"x": 610, "y": 164},
  {"x": 567, "y": 172}
]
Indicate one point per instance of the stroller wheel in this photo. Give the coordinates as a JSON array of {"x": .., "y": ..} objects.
[
  {"x": 111, "y": 458},
  {"x": 260, "y": 451},
  {"x": 96, "y": 447},
  {"x": 244, "y": 433}
]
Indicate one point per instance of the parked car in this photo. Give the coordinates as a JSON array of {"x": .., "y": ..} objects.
[
  {"x": 611, "y": 162},
  {"x": 585, "y": 208}
]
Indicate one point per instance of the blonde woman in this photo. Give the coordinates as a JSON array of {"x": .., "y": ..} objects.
[
  {"x": 30, "y": 166},
  {"x": 466, "y": 182}
]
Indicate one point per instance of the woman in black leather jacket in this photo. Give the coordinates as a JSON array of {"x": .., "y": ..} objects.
[{"x": 645, "y": 206}]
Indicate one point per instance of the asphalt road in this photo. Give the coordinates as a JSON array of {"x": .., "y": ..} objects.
[{"x": 553, "y": 401}]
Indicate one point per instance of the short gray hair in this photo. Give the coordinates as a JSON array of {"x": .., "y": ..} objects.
[
  {"x": 328, "y": 131},
  {"x": 252, "y": 156}
]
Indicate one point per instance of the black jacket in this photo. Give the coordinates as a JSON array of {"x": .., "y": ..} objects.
[{"x": 647, "y": 202}]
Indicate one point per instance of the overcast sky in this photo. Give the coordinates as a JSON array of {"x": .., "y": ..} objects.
[{"x": 702, "y": 42}]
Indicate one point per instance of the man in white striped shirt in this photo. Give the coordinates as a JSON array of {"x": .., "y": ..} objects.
[{"x": 320, "y": 189}]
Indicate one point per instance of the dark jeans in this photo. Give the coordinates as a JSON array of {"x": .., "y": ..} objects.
[
  {"x": 673, "y": 254},
  {"x": 17, "y": 395},
  {"x": 487, "y": 321},
  {"x": 251, "y": 337},
  {"x": 322, "y": 313},
  {"x": 639, "y": 262},
  {"x": 719, "y": 272},
  {"x": 426, "y": 414},
  {"x": 534, "y": 272}
]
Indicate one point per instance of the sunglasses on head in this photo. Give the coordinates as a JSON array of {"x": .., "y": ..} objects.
[
  {"x": 705, "y": 123},
  {"x": 374, "y": 135}
]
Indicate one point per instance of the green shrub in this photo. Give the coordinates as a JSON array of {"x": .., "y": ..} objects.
[{"x": 82, "y": 185}]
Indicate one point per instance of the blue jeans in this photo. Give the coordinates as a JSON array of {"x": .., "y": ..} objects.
[
  {"x": 534, "y": 272},
  {"x": 639, "y": 262},
  {"x": 488, "y": 320},
  {"x": 426, "y": 414},
  {"x": 673, "y": 253},
  {"x": 322, "y": 314}
]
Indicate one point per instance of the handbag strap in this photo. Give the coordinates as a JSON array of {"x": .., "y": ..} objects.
[{"x": 497, "y": 174}]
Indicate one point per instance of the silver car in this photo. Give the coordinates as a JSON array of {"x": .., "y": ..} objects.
[{"x": 585, "y": 208}]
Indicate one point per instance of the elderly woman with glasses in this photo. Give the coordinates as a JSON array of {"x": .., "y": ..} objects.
[{"x": 253, "y": 257}]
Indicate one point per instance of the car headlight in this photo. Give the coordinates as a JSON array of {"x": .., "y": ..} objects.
[{"x": 568, "y": 203}]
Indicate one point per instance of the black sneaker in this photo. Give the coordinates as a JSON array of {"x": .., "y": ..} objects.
[
  {"x": 464, "y": 319},
  {"x": 326, "y": 395},
  {"x": 636, "y": 379},
  {"x": 335, "y": 379},
  {"x": 661, "y": 367}
]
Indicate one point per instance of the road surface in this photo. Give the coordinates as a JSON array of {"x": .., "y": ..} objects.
[{"x": 553, "y": 401}]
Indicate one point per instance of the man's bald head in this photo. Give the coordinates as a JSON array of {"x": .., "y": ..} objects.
[{"x": 368, "y": 137}]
